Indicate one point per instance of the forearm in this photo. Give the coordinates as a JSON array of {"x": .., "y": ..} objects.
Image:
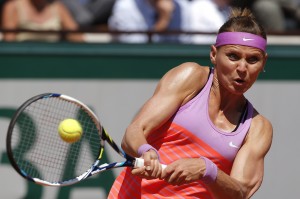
[{"x": 226, "y": 187}]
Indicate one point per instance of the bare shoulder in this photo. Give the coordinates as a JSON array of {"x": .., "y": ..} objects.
[
  {"x": 260, "y": 133},
  {"x": 190, "y": 72},
  {"x": 185, "y": 80},
  {"x": 193, "y": 67}
]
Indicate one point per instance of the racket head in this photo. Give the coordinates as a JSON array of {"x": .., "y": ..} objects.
[{"x": 35, "y": 148}]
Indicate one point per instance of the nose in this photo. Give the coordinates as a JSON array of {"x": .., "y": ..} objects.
[{"x": 242, "y": 66}]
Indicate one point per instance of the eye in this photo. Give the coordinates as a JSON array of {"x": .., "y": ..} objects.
[
  {"x": 253, "y": 60},
  {"x": 233, "y": 56}
]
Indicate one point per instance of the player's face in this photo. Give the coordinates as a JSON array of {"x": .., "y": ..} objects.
[{"x": 237, "y": 66}]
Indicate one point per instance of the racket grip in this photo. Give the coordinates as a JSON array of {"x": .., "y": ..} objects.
[{"x": 139, "y": 162}]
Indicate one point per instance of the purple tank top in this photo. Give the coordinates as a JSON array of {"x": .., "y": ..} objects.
[{"x": 194, "y": 117}]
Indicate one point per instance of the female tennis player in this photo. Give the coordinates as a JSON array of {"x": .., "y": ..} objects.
[{"x": 200, "y": 124}]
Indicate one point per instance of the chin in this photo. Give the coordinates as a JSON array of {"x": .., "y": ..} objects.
[{"x": 238, "y": 91}]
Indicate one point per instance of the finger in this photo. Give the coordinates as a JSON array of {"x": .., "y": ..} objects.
[
  {"x": 160, "y": 169},
  {"x": 147, "y": 160},
  {"x": 138, "y": 171},
  {"x": 173, "y": 177},
  {"x": 180, "y": 180},
  {"x": 166, "y": 172},
  {"x": 156, "y": 171}
]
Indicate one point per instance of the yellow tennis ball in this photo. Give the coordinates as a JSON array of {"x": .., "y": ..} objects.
[{"x": 70, "y": 130}]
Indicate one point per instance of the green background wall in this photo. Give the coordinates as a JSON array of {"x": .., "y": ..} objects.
[{"x": 79, "y": 60}]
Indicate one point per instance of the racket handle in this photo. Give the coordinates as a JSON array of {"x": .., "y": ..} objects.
[{"x": 139, "y": 162}]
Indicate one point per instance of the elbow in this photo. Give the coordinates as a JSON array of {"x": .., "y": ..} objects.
[
  {"x": 246, "y": 192},
  {"x": 127, "y": 149},
  {"x": 127, "y": 145},
  {"x": 241, "y": 192},
  {"x": 251, "y": 191},
  {"x": 124, "y": 144}
]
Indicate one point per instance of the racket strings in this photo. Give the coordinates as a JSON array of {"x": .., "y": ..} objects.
[
  {"x": 92, "y": 135},
  {"x": 39, "y": 150}
]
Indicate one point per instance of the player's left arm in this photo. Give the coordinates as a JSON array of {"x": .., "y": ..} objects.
[{"x": 248, "y": 168}]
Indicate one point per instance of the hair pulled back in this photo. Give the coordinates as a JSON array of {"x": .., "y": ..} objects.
[{"x": 242, "y": 20}]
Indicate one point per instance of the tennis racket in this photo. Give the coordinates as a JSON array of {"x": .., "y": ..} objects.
[{"x": 37, "y": 152}]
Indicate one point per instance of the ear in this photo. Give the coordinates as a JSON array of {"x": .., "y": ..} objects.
[{"x": 213, "y": 53}]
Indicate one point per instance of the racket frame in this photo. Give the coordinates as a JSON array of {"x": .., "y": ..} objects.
[{"x": 94, "y": 169}]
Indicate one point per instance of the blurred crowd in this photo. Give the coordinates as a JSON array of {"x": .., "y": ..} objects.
[{"x": 164, "y": 20}]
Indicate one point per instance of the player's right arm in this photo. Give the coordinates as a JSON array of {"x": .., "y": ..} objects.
[{"x": 176, "y": 87}]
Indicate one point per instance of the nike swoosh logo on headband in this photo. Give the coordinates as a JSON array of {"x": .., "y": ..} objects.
[{"x": 247, "y": 39}]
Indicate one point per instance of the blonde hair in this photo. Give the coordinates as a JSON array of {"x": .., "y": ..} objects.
[{"x": 242, "y": 20}]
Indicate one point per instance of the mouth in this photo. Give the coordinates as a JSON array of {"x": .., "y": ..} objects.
[{"x": 239, "y": 81}]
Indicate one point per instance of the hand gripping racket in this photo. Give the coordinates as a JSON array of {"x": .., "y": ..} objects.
[{"x": 37, "y": 152}]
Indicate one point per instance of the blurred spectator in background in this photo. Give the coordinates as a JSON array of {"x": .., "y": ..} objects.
[
  {"x": 274, "y": 15},
  {"x": 291, "y": 9},
  {"x": 207, "y": 16},
  {"x": 39, "y": 15},
  {"x": 88, "y": 13},
  {"x": 147, "y": 15},
  {"x": 269, "y": 14}
]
